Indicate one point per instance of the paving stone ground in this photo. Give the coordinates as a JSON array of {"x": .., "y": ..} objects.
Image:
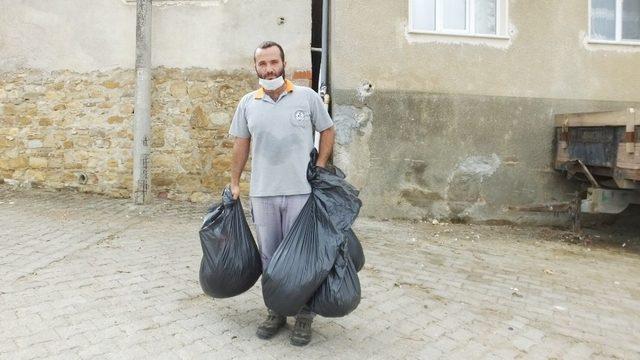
[{"x": 86, "y": 277}]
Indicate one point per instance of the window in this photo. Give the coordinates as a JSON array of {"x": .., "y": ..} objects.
[
  {"x": 178, "y": 2},
  {"x": 459, "y": 17},
  {"x": 615, "y": 20}
]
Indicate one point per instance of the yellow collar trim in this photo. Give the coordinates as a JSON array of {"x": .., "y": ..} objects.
[{"x": 289, "y": 88}]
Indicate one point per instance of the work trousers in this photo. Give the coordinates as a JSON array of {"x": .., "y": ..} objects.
[{"x": 273, "y": 217}]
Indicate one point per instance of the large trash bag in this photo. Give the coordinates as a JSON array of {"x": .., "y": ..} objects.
[
  {"x": 230, "y": 259},
  {"x": 339, "y": 294},
  {"x": 302, "y": 261},
  {"x": 308, "y": 253},
  {"x": 354, "y": 248},
  {"x": 338, "y": 198}
]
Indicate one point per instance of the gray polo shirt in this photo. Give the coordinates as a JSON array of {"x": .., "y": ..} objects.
[{"x": 281, "y": 134}]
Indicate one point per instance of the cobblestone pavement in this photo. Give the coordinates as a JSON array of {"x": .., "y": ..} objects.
[{"x": 85, "y": 276}]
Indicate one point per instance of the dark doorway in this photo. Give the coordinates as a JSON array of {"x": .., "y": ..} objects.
[{"x": 316, "y": 41}]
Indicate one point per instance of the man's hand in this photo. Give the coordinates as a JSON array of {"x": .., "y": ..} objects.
[{"x": 235, "y": 191}]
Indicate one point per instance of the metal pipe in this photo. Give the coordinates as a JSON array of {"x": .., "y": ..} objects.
[
  {"x": 142, "y": 119},
  {"x": 322, "y": 79}
]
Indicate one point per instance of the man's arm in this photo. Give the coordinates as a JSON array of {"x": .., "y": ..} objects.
[
  {"x": 327, "y": 139},
  {"x": 240, "y": 155}
]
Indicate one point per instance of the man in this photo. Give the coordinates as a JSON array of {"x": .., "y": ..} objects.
[{"x": 278, "y": 120}]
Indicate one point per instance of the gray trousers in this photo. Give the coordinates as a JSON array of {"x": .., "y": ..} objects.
[{"x": 273, "y": 216}]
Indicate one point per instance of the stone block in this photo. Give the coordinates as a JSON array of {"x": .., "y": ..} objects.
[
  {"x": 188, "y": 183},
  {"x": 34, "y": 175},
  {"x": 222, "y": 163},
  {"x": 17, "y": 163},
  {"x": 157, "y": 137},
  {"x": 162, "y": 179},
  {"x": 199, "y": 119},
  {"x": 166, "y": 161},
  {"x": 38, "y": 162},
  {"x": 190, "y": 163},
  {"x": 178, "y": 89},
  {"x": 115, "y": 120},
  {"x": 221, "y": 118},
  {"x": 197, "y": 91},
  {"x": 34, "y": 144},
  {"x": 126, "y": 109},
  {"x": 7, "y": 141},
  {"x": 45, "y": 122},
  {"x": 111, "y": 84},
  {"x": 200, "y": 197}
]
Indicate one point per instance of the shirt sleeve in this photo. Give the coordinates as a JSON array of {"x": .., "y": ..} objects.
[
  {"x": 239, "y": 126},
  {"x": 319, "y": 115}
]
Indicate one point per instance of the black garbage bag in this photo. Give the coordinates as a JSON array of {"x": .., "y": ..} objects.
[
  {"x": 338, "y": 198},
  {"x": 339, "y": 294},
  {"x": 309, "y": 250},
  {"x": 354, "y": 248},
  {"x": 302, "y": 261},
  {"x": 230, "y": 259}
]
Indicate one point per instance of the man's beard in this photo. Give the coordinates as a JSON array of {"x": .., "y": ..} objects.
[{"x": 282, "y": 73}]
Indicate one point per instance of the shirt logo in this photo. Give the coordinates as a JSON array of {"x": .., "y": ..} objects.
[{"x": 300, "y": 119}]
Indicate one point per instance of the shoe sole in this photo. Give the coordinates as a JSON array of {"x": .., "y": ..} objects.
[
  {"x": 265, "y": 335},
  {"x": 301, "y": 342}
]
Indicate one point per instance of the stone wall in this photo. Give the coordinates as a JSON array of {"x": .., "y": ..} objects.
[{"x": 64, "y": 129}]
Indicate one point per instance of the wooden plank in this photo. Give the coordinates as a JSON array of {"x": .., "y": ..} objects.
[
  {"x": 627, "y": 118},
  {"x": 628, "y": 159}
]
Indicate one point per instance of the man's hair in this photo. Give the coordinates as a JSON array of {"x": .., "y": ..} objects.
[{"x": 268, "y": 44}]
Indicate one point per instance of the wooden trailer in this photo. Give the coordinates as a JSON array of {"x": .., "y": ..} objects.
[{"x": 603, "y": 150}]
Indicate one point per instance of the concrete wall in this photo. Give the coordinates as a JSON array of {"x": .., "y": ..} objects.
[
  {"x": 100, "y": 34},
  {"x": 67, "y": 90},
  {"x": 451, "y": 127}
]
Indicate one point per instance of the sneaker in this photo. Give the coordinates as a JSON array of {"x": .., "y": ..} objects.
[
  {"x": 301, "y": 334},
  {"x": 271, "y": 325}
]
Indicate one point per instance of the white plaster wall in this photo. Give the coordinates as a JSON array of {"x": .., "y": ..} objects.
[
  {"x": 84, "y": 35},
  {"x": 546, "y": 54}
]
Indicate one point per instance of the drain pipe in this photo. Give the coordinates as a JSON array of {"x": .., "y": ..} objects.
[
  {"x": 323, "y": 87},
  {"x": 322, "y": 79},
  {"x": 142, "y": 119}
]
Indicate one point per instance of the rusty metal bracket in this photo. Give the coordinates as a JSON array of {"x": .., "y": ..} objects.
[
  {"x": 572, "y": 208},
  {"x": 570, "y": 165},
  {"x": 629, "y": 137}
]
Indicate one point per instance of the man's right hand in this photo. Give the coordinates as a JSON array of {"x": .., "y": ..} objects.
[{"x": 235, "y": 191}]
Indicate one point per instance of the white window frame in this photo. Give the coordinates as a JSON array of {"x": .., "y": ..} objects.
[
  {"x": 177, "y": 2},
  {"x": 502, "y": 11},
  {"x": 619, "y": 40}
]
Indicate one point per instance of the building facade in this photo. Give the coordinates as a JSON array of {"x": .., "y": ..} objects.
[{"x": 445, "y": 109}]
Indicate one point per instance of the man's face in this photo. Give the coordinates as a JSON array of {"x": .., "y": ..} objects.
[{"x": 268, "y": 63}]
